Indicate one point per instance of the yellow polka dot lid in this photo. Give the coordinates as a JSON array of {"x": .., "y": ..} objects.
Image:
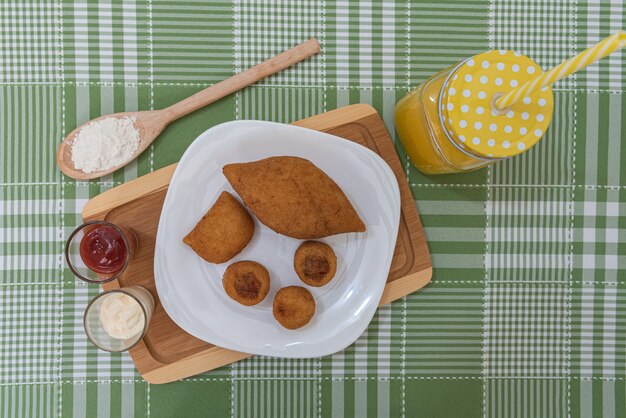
[{"x": 468, "y": 113}]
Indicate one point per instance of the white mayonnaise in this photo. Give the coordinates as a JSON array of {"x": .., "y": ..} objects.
[{"x": 121, "y": 316}]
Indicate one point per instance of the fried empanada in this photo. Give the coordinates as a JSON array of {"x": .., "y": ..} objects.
[
  {"x": 294, "y": 197},
  {"x": 223, "y": 232}
]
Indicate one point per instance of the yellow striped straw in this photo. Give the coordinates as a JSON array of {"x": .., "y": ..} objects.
[{"x": 588, "y": 56}]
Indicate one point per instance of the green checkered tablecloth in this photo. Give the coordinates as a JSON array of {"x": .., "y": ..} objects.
[{"x": 526, "y": 313}]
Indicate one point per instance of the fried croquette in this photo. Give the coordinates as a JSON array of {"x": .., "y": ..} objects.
[
  {"x": 223, "y": 232},
  {"x": 294, "y": 307},
  {"x": 247, "y": 282},
  {"x": 315, "y": 263},
  {"x": 294, "y": 197}
]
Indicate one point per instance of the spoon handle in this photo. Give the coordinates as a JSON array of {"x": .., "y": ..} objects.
[{"x": 238, "y": 81}]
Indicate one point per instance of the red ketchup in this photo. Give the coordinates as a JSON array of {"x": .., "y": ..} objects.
[{"x": 103, "y": 250}]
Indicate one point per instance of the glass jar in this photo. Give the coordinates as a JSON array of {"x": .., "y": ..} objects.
[
  {"x": 99, "y": 251},
  {"x": 425, "y": 117},
  {"x": 109, "y": 325}
]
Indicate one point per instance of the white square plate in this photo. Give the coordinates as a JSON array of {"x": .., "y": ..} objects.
[{"x": 191, "y": 289}]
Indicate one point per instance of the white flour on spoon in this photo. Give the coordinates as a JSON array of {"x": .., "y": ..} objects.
[{"x": 105, "y": 144}]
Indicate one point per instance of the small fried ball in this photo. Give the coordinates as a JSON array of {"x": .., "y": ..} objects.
[
  {"x": 315, "y": 263},
  {"x": 294, "y": 307},
  {"x": 247, "y": 282}
]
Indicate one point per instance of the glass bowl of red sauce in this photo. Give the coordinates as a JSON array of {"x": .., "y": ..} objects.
[{"x": 99, "y": 251}]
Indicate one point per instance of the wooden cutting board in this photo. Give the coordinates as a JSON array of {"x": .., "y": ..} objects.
[{"x": 168, "y": 353}]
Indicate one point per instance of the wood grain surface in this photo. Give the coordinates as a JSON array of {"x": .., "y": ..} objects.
[{"x": 167, "y": 352}]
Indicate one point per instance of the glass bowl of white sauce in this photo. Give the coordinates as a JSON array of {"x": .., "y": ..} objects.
[{"x": 117, "y": 320}]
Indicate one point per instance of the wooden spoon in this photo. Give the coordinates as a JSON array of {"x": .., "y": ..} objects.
[{"x": 151, "y": 123}]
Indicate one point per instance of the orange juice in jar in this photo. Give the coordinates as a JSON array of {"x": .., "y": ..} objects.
[{"x": 449, "y": 124}]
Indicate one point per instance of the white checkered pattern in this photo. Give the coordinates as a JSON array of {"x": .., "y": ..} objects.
[
  {"x": 28, "y": 35},
  {"x": 30, "y": 332},
  {"x": 526, "y": 332},
  {"x": 258, "y": 40}
]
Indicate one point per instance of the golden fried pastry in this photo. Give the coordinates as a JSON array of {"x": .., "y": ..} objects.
[
  {"x": 293, "y": 307},
  {"x": 223, "y": 231},
  {"x": 315, "y": 263},
  {"x": 247, "y": 282},
  {"x": 293, "y": 197}
]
